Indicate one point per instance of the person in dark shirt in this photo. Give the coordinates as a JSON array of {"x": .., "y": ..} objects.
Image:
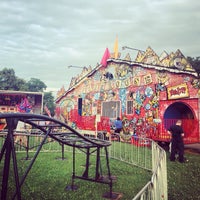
[
  {"x": 177, "y": 145},
  {"x": 118, "y": 125}
]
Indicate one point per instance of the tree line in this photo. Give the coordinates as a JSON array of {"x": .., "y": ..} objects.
[
  {"x": 9, "y": 81},
  {"x": 195, "y": 62}
]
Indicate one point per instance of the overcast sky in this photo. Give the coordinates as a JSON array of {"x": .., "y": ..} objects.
[{"x": 41, "y": 38}]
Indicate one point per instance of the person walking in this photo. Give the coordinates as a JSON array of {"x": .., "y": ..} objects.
[
  {"x": 118, "y": 125},
  {"x": 177, "y": 145}
]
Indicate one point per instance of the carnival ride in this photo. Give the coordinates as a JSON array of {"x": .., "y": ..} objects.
[{"x": 60, "y": 132}]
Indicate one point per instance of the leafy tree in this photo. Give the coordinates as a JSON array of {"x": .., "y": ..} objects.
[
  {"x": 49, "y": 102},
  {"x": 9, "y": 81},
  {"x": 195, "y": 62},
  {"x": 35, "y": 85}
]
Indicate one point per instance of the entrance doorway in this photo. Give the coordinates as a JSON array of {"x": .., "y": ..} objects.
[{"x": 180, "y": 110}]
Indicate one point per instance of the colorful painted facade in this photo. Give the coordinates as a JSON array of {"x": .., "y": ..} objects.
[
  {"x": 20, "y": 101},
  {"x": 149, "y": 94}
]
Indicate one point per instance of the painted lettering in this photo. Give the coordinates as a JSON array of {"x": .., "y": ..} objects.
[{"x": 178, "y": 91}]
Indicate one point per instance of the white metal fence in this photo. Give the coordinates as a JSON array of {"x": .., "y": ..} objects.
[
  {"x": 147, "y": 154},
  {"x": 141, "y": 152},
  {"x": 156, "y": 188}
]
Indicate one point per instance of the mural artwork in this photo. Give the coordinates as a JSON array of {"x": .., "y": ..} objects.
[{"x": 138, "y": 91}]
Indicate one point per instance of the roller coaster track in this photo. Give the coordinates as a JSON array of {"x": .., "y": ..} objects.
[{"x": 61, "y": 133}]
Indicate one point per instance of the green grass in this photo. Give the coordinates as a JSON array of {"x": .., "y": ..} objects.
[
  {"x": 184, "y": 178},
  {"x": 50, "y": 175}
]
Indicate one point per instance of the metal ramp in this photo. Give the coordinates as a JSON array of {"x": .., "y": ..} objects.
[{"x": 63, "y": 134}]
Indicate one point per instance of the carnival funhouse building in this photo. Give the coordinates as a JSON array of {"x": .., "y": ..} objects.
[{"x": 149, "y": 93}]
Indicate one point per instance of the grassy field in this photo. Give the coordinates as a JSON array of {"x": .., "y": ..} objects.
[
  {"x": 184, "y": 178},
  {"x": 50, "y": 175}
]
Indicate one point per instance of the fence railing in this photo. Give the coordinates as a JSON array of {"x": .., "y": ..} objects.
[
  {"x": 147, "y": 154},
  {"x": 141, "y": 152},
  {"x": 156, "y": 188}
]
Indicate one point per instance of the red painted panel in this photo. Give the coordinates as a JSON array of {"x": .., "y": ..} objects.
[
  {"x": 190, "y": 126},
  {"x": 104, "y": 124}
]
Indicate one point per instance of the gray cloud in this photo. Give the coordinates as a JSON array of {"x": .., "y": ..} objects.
[{"x": 41, "y": 38}]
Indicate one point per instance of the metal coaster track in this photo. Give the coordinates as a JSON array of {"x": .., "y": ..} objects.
[{"x": 60, "y": 132}]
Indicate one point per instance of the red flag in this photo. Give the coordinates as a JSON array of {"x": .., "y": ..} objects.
[{"x": 106, "y": 56}]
